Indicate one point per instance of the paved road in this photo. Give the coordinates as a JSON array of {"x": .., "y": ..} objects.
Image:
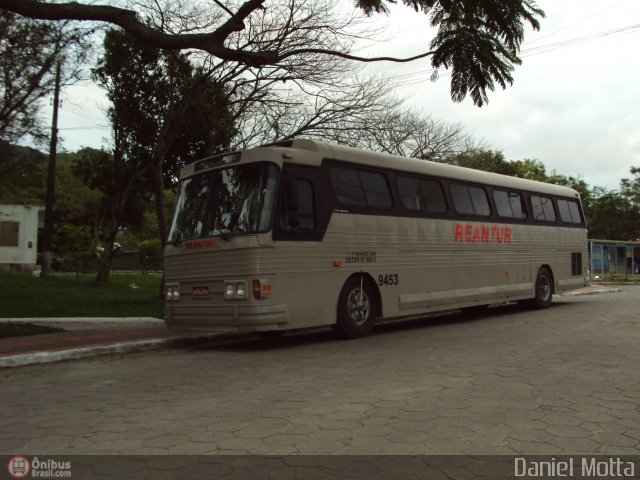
[{"x": 564, "y": 380}]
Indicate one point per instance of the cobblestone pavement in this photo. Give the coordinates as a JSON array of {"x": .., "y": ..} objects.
[{"x": 560, "y": 381}]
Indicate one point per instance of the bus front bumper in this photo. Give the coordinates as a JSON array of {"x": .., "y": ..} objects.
[{"x": 227, "y": 318}]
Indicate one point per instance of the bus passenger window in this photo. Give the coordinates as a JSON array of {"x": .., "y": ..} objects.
[
  {"x": 346, "y": 183},
  {"x": 470, "y": 200},
  {"x": 434, "y": 196},
  {"x": 543, "y": 209},
  {"x": 509, "y": 204},
  {"x": 517, "y": 205},
  {"x": 421, "y": 195},
  {"x": 298, "y": 213},
  {"x": 462, "y": 199},
  {"x": 376, "y": 189},
  {"x": 410, "y": 195},
  {"x": 360, "y": 188},
  {"x": 569, "y": 211},
  {"x": 480, "y": 201}
]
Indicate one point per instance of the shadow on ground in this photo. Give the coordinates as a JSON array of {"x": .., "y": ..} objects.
[{"x": 298, "y": 338}]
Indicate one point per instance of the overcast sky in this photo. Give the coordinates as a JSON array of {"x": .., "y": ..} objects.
[{"x": 574, "y": 104}]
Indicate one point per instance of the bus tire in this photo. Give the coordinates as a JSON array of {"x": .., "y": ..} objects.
[
  {"x": 544, "y": 290},
  {"x": 356, "y": 308}
]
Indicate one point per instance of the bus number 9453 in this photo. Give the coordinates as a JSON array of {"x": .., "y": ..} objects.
[{"x": 389, "y": 279}]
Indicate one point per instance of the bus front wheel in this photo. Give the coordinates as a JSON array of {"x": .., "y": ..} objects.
[
  {"x": 544, "y": 290},
  {"x": 356, "y": 309}
]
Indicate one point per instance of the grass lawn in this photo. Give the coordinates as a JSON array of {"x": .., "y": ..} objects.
[
  {"x": 23, "y": 295},
  {"x": 20, "y": 330}
]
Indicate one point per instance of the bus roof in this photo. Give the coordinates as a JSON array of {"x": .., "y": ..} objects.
[
  {"x": 426, "y": 167},
  {"x": 296, "y": 151}
]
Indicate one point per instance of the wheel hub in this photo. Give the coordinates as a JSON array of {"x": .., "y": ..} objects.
[{"x": 358, "y": 306}]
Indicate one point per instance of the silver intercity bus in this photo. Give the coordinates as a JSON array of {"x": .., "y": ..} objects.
[{"x": 302, "y": 233}]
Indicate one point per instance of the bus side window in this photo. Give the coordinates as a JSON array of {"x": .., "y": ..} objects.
[
  {"x": 360, "y": 188},
  {"x": 298, "y": 214},
  {"x": 569, "y": 212},
  {"x": 347, "y": 185},
  {"x": 421, "y": 195},
  {"x": 410, "y": 193},
  {"x": 470, "y": 200},
  {"x": 509, "y": 204},
  {"x": 434, "y": 196},
  {"x": 542, "y": 209}
]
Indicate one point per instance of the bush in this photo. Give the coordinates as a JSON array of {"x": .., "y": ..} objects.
[
  {"x": 74, "y": 246},
  {"x": 150, "y": 252}
]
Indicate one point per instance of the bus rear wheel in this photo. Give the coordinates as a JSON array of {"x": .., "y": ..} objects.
[
  {"x": 356, "y": 309},
  {"x": 544, "y": 290}
]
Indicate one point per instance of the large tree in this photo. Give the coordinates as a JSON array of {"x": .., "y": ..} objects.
[
  {"x": 630, "y": 190},
  {"x": 181, "y": 112},
  {"x": 164, "y": 113},
  {"x": 29, "y": 51},
  {"x": 310, "y": 95},
  {"x": 478, "y": 40}
]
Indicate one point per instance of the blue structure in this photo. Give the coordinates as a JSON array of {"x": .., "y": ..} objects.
[{"x": 614, "y": 258}]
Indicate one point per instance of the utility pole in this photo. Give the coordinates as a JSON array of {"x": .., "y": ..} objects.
[{"x": 47, "y": 235}]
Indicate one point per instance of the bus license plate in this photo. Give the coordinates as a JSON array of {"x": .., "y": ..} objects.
[{"x": 200, "y": 291}]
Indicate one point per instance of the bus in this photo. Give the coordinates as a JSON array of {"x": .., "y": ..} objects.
[{"x": 304, "y": 233}]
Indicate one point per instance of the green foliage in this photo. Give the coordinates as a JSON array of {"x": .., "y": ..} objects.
[
  {"x": 630, "y": 188},
  {"x": 150, "y": 254},
  {"x": 478, "y": 39},
  {"x": 76, "y": 201},
  {"x": 66, "y": 296},
  {"x": 530, "y": 170},
  {"x": 8, "y": 330},
  {"x": 75, "y": 244},
  {"x": 93, "y": 166},
  {"x": 615, "y": 215},
  {"x": 485, "y": 160},
  {"x": 609, "y": 216},
  {"x": 180, "y": 112},
  {"x": 149, "y": 227},
  {"x": 130, "y": 239},
  {"x": 104, "y": 181},
  {"x": 22, "y": 175}
]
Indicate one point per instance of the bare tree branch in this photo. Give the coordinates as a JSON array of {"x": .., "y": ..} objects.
[{"x": 211, "y": 42}]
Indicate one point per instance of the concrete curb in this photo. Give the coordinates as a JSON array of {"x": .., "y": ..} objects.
[
  {"x": 23, "y": 359},
  {"x": 592, "y": 291},
  {"x": 87, "y": 320}
]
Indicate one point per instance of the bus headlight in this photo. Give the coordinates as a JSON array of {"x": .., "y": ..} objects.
[
  {"x": 172, "y": 291},
  {"x": 235, "y": 290}
]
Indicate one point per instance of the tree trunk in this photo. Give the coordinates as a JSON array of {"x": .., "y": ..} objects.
[
  {"x": 158, "y": 187},
  {"x": 105, "y": 264},
  {"x": 166, "y": 137},
  {"x": 47, "y": 233}
]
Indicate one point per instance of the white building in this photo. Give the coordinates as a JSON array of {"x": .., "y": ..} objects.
[{"x": 19, "y": 235}]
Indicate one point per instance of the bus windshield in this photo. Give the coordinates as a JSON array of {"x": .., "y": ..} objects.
[{"x": 225, "y": 202}]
